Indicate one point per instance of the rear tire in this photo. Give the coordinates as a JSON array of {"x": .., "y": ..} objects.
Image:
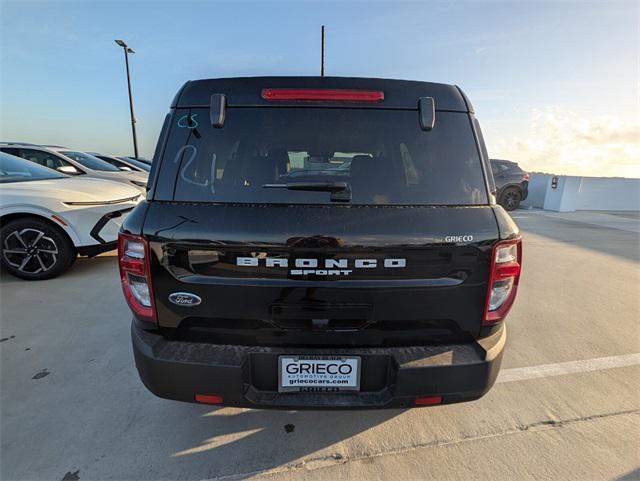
[
  {"x": 34, "y": 249},
  {"x": 510, "y": 198}
]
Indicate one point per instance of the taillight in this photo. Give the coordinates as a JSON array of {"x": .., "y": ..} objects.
[
  {"x": 525, "y": 178},
  {"x": 506, "y": 262},
  {"x": 135, "y": 275},
  {"x": 326, "y": 95}
]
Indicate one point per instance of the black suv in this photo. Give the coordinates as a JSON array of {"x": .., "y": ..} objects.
[
  {"x": 512, "y": 183},
  {"x": 320, "y": 243}
]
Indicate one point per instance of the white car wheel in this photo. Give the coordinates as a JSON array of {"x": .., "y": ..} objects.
[{"x": 34, "y": 249}]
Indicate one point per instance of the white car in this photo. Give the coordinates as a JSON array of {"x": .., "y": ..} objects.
[
  {"x": 47, "y": 218},
  {"x": 73, "y": 162}
]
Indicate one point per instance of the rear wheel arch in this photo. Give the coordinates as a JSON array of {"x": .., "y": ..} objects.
[
  {"x": 6, "y": 218},
  {"x": 512, "y": 186},
  {"x": 69, "y": 232}
]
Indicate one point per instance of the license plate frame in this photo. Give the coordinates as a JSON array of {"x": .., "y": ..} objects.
[{"x": 319, "y": 382}]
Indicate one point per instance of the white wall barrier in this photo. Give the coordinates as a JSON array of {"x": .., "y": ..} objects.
[{"x": 569, "y": 193}]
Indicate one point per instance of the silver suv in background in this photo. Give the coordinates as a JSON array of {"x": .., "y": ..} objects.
[{"x": 73, "y": 162}]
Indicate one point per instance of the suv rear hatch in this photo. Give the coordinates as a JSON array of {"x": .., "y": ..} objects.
[{"x": 331, "y": 222}]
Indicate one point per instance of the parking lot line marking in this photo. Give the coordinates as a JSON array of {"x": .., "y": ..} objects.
[{"x": 571, "y": 367}]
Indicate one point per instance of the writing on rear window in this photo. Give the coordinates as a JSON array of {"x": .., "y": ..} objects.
[{"x": 380, "y": 157}]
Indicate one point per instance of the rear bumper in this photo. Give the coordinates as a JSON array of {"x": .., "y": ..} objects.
[{"x": 246, "y": 376}]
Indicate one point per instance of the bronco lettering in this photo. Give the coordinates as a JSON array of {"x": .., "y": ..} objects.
[
  {"x": 313, "y": 263},
  {"x": 308, "y": 266}
]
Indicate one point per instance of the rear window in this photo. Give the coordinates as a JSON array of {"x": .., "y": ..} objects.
[{"x": 383, "y": 156}]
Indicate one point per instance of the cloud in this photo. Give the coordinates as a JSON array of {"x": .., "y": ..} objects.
[{"x": 563, "y": 142}]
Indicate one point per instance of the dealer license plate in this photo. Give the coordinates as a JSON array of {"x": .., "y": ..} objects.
[{"x": 318, "y": 373}]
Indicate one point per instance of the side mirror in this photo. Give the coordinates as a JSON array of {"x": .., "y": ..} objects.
[
  {"x": 427, "y": 113},
  {"x": 69, "y": 170},
  {"x": 125, "y": 168}
]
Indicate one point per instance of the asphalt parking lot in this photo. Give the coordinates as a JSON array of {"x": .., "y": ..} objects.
[{"x": 565, "y": 407}]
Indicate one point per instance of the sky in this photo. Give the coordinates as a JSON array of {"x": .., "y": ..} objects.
[{"x": 555, "y": 85}]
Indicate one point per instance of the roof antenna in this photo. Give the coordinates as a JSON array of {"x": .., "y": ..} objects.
[{"x": 322, "y": 54}]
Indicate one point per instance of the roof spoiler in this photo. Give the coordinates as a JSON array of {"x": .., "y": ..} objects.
[
  {"x": 427, "y": 113},
  {"x": 217, "y": 110}
]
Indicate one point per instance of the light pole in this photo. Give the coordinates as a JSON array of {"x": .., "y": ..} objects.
[
  {"x": 322, "y": 53},
  {"x": 127, "y": 51}
]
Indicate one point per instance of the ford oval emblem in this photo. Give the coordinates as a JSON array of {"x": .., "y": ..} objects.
[{"x": 184, "y": 299}]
